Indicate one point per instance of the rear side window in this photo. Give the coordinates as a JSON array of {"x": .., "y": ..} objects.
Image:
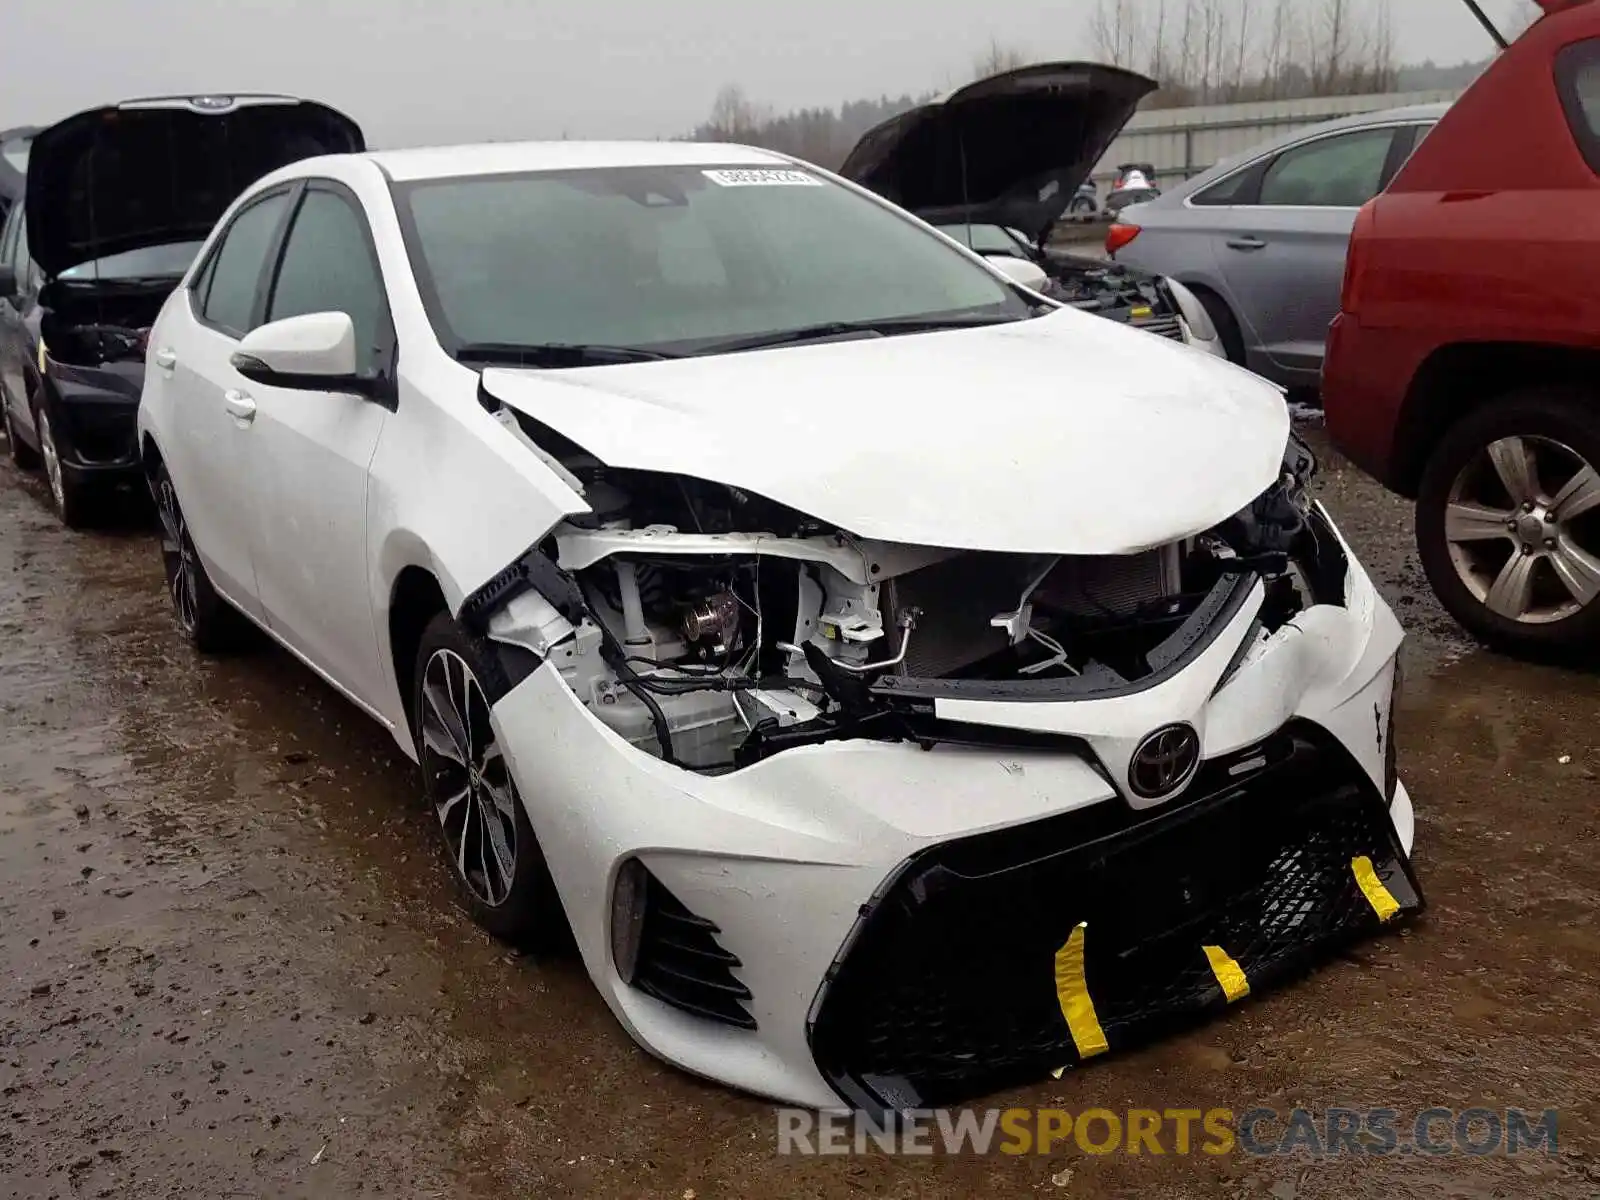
[
  {"x": 233, "y": 277},
  {"x": 328, "y": 267},
  {"x": 1238, "y": 188},
  {"x": 1344, "y": 171},
  {"x": 1578, "y": 81}
]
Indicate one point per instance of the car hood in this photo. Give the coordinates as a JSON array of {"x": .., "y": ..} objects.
[
  {"x": 151, "y": 172},
  {"x": 1012, "y": 149},
  {"x": 1066, "y": 434}
]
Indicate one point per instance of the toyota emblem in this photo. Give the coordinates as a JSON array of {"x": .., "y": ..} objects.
[{"x": 1165, "y": 762}]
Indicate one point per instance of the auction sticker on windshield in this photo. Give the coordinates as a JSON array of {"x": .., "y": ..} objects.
[{"x": 762, "y": 177}]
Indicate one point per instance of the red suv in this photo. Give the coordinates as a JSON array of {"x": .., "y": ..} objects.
[{"x": 1464, "y": 367}]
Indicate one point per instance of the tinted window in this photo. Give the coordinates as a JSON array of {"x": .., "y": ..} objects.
[
  {"x": 235, "y": 271},
  {"x": 675, "y": 257},
  {"x": 1336, "y": 172},
  {"x": 8, "y": 238},
  {"x": 328, "y": 267},
  {"x": 1578, "y": 78},
  {"x": 1235, "y": 189}
]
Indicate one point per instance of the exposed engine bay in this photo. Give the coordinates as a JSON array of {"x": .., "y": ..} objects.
[
  {"x": 1109, "y": 289},
  {"x": 87, "y": 324},
  {"x": 714, "y": 628}
]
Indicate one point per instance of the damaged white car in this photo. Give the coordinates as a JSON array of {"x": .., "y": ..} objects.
[{"x": 902, "y": 686}]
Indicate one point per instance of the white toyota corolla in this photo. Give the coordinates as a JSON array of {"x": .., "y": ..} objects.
[{"x": 901, "y": 686}]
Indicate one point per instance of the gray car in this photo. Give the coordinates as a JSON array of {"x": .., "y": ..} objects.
[{"x": 1261, "y": 238}]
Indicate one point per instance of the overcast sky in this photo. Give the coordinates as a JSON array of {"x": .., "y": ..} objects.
[{"x": 421, "y": 71}]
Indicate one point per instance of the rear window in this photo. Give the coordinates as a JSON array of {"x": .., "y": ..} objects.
[{"x": 1578, "y": 81}]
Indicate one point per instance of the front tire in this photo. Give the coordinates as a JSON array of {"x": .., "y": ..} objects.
[
  {"x": 70, "y": 497},
  {"x": 1508, "y": 522},
  {"x": 486, "y": 839},
  {"x": 210, "y": 623}
]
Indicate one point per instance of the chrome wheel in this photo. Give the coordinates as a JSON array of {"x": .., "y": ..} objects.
[
  {"x": 178, "y": 557},
  {"x": 468, "y": 781},
  {"x": 1522, "y": 522},
  {"x": 52, "y": 461}
]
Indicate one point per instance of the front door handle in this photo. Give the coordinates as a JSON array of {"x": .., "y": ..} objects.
[
  {"x": 166, "y": 358},
  {"x": 1246, "y": 243},
  {"x": 239, "y": 405}
]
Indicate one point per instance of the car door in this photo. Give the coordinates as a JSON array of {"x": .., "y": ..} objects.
[
  {"x": 11, "y": 331},
  {"x": 1281, "y": 250},
  {"x": 192, "y": 378},
  {"x": 310, "y": 451}
]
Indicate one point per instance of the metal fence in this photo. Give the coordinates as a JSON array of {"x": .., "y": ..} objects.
[{"x": 1182, "y": 142}]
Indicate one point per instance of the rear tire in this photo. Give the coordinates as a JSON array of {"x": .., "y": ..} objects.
[
  {"x": 1491, "y": 549},
  {"x": 485, "y": 837},
  {"x": 210, "y": 623},
  {"x": 24, "y": 455}
]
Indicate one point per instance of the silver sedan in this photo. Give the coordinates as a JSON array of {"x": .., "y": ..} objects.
[{"x": 1261, "y": 238}]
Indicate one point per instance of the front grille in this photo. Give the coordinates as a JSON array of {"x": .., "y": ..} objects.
[
  {"x": 1165, "y": 325},
  {"x": 947, "y": 986},
  {"x": 681, "y": 963}
]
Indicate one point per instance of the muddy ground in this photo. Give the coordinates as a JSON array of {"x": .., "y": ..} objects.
[{"x": 230, "y": 964}]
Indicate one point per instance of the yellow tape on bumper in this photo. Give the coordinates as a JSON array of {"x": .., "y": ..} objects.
[
  {"x": 1072, "y": 990},
  {"x": 1384, "y": 904},
  {"x": 1230, "y": 975}
]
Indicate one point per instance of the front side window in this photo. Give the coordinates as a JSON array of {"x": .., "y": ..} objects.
[
  {"x": 675, "y": 259},
  {"x": 1344, "y": 171},
  {"x": 985, "y": 239},
  {"x": 328, "y": 266},
  {"x": 234, "y": 274},
  {"x": 1578, "y": 81}
]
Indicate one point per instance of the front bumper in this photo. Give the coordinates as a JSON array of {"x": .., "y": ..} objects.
[
  {"x": 793, "y": 861},
  {"x": 94, "y": 413}
]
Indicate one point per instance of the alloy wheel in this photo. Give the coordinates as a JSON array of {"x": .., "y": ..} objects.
[
  {"x": 468, "y": 779},
  {"x": 52, "y": 461},
  {"x": 1522, "y": 522},
  {"x": 178, "y": 557}
]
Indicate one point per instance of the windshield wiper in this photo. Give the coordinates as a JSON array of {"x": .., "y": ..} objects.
[
  {"x": 883, "y": 328},
  {"x": 555, "y": 354}
]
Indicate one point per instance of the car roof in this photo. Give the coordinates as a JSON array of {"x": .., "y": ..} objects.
[
  {"x": 1387, "y": 116},
  {"x": 505, "y": 158}
]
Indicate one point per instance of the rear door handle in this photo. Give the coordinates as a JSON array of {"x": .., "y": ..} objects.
[
  {"x": 166, "y": 358},
  {"x": 239, "y": 405},
  {"x": 1246, "y": 243}
]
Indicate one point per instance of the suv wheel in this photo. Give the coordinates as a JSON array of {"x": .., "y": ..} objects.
[
  {"x": 1508, "y": 521},
  {"x": 70, "y": 497},
  {"x": 21, "y": 453},
  {"x": 211, "y": 624},
  {"x": 498, "y": 866}
]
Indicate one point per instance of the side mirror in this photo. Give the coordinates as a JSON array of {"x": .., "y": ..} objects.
[
  {"x": 8, "y": 283},
  {"x": 314, "y": 353},
  {"x": 1019, "y": 270}
]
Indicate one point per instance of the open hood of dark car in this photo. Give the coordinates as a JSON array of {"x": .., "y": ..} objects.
[
  {"x": 13, "y": 151},
  {"x": 1011, "y": 149},
  {"x": 149, "y": 172}
]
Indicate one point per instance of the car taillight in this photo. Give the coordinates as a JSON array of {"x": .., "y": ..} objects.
[
  {"x": 1357, "y": 256},
  {"x": 1119, "y": 235}
]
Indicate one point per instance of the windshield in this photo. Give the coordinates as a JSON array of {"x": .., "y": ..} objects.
[
  {"x": 985, "y": 239},
  {"x": 16, "y": 154},
  {"x": 674, "y": 259},
  {"x": 144, "y": 263}
]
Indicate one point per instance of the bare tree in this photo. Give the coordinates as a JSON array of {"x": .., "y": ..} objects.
[
  {"x": 733, "y": 117},
  {"x": 995, "y": 59}
]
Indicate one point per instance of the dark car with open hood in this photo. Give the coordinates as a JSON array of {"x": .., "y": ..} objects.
[
  {"x": 998, "y": 163},
  {"x": 116, "y": 202}
]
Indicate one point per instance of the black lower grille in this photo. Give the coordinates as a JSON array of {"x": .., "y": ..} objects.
[
  {"x": 681, "y": 963},
  {"x": 1166, "y": 325},
  {"x": 947, "y": 988}
]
